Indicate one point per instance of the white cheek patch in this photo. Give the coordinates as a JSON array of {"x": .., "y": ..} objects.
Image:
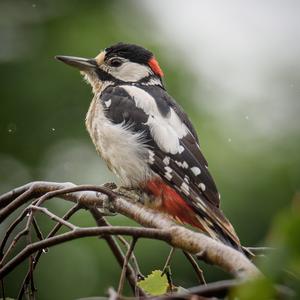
[{"x": 130, "y": 72}]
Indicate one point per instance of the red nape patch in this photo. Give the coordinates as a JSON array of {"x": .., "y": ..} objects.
[
  {"x": 172, "y": 203},
  {"x": 155, "y": 67}
]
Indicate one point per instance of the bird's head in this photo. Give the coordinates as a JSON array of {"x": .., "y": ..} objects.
[{"x": 120, "y": 63}]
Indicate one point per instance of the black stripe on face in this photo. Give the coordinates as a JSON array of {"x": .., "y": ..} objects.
[{"x": 104, "y": 76}]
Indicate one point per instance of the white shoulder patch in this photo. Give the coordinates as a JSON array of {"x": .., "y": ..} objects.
[
  {"x": 165, "y": 130},
  {"x": 142, "y": 99}
]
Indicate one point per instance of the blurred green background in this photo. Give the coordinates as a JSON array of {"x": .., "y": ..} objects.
[{"x": 235, "y": 69}]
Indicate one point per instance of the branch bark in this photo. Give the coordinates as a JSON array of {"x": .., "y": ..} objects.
[{"x": 177, "y": 236}]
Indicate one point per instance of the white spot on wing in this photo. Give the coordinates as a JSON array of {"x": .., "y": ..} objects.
[
  {"x": 200, "y": 203},
  {"x": 108, "y": 103},
  {"x": 202, "y": 186},
  {"x": 185, "y": 165},
  {"x": 168, "y": 172},
  {"x": 166, "y": 160},
  {"x": 185, "y": 188},
  {"x": 181, "y": 149},
  {"x": 151, "y": 157},
  {"x": 180, "y": 164},
  {"x": 196, "y": 171}
]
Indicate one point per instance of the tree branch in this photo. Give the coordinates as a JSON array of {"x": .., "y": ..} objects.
[
  {"x": 163, "y": 228},
  {"x": 76, "y": 233},
  {"x": 125, "y": 264},
  {"x": 55, "y": 229},
  {"x": 115, "y": 248}
]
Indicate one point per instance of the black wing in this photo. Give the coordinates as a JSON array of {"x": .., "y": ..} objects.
[
  {"x": 185, "y": 170},
  {"x": 190, "y": 162}
]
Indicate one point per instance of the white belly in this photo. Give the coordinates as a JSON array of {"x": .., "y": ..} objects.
[{"x": 123, "y": 150}]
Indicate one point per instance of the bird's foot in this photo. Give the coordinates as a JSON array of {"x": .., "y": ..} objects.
[
  {"x": 107, "y": 209},
  {"x": 134, "y": 194}
]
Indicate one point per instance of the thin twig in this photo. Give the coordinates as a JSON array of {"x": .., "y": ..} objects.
[
  {"x": 2, "y": 289},
  {"x": 21, "y": 199},
  {"x": 30, "y": 267},
  {"x": 133, "y": 258},
  {"x": 10, "y": 229},
  {"x": 136, "y": 232},
  {"x": 6, "y": 198},
  {"x": 126, "y": 260},
  {"x": 196, "y": 267},
  {"x": 78, "y": 188},
  {"x": 260, "y": 250},
  {"x": 17, "y": 237},
  {"x": 213, "y": 252},
  {"x": 116, "y": 250},
  {"x": 52, "y": 216},
  {"x": 55, "y": 229},
  {"x": 37, "y": 229},
  {"x": 11, "y": 207},
  {"x": 167, "y": 263}
]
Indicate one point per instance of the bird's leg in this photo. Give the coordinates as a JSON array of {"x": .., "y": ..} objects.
[
  {"x": 134, "y": 194},
  {"x": 107, "y": 209}
]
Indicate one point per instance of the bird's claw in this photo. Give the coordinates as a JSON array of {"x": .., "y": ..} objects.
[{"x": 107, "y": 209}]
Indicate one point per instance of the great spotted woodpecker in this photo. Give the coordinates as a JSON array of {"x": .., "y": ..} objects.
[{"x": 147, "y": 140}]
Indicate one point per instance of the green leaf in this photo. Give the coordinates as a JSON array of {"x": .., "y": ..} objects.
[
  {"x": 259, "y": 288},
  {"x": 154, "y": 284}
]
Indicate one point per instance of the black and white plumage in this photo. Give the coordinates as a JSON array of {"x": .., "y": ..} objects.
[{"x": 147, "y": 140}]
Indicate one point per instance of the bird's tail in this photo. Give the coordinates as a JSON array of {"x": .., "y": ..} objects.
[{"x": 209, "y": 219}]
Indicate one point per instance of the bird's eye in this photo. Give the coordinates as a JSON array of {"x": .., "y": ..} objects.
[{"x": 115, "y": 62}]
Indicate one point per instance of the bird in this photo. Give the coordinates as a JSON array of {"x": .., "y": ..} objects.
[{"x": 148, "y": 141}]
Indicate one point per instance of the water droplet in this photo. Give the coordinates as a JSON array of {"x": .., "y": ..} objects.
[
  {"x": 53, "y": 129},
  {"x": 11, "y": 128},
  {"x": 45, "y": 250},
  {"x": 28, "y": 214},
  {"x": 229, "y": 140}
]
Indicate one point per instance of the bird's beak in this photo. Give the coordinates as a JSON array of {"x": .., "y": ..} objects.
[{"x": 83, "y": 64}]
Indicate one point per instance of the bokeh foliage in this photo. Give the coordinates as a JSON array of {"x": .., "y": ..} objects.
[{"x": 43, "y": 106}]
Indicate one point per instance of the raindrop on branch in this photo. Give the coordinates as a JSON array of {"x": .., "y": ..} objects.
[{"x": 45, "y": 250}]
